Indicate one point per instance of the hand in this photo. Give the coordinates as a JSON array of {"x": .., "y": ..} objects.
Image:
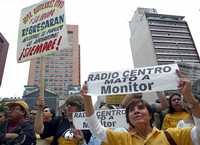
[
  {"x": 11, "y": 135},
  {"x": 40, "y": 102},
  {"x": 184, "y": 85},
  {"x": 84, "y": 89},
  {"x": 78, "y": 135}
]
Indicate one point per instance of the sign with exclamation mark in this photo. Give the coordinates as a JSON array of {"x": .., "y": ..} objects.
[{"x": 42, "y": 30}]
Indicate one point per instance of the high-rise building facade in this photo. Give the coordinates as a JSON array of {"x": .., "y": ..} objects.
[
  {"x": 161, "y": 39},
  {"x": 61, "y": 69},
  {"x": 3, "y": 55}
]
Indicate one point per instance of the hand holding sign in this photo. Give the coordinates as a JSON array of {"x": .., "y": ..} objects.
[
  {"x": 184, "y": 84},
  {"x": 186, "y": 91},
  {"x": 87, "y": 100}
]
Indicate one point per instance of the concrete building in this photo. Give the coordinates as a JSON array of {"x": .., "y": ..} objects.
[
  {"x": 161, "y": 39},
  {"x": 32, "y": 92},
  {"x": 3, "y": 55},
  {"x": 61, "y": 69}
]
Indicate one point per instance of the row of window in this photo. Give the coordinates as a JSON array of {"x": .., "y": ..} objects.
[
  {"x": 175, "y": 51},
  {"x": 167, "y": 24},
  {"x": 173, "y": 44},
  {"x": 156, "y": 38},
  {"x": 177, "y": 57},
  {"x": 172, "y": 33},
  {"x": 168, "y": 28}
]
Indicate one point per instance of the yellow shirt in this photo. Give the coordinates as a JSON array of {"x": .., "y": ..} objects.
[
  {"x": 156, "y": 137},
  {"x": 46, "y": 141},
  {"x": 63, "y": 141},
  {"x": 171, "y": 120}
]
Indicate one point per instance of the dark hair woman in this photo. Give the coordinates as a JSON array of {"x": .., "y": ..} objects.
[
  {"x": 139, "y": 116},
  {"x": 176, "y": 112}
]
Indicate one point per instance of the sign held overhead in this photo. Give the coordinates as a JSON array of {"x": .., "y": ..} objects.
[
  {"x": 42, "y": 30},
  {"x": 138, "y": 80}
]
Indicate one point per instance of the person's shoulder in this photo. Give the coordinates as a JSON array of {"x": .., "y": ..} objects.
[
  {"x": 59, "y": 120},
  {"x": 25, "y": 123}
]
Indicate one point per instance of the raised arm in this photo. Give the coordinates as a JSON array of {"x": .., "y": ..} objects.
[
  {"x": 186, "y": 90},
  {"x": 89, "y": 109},
  {"x": 95, "y": 126},
  {"x": 193, "y": 104},
  {"x": 163, "y": 102}
]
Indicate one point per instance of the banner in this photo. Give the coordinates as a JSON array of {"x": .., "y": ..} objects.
[
  {"x": 139, "y": 80},
  {"x": 113, "y": 118},
  {"x": 42, "y": 30}
]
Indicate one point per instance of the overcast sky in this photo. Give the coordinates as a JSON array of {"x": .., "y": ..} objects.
[{"x": 103, "y": 34}]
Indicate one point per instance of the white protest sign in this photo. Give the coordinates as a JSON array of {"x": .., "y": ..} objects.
[
  {"x": 146, "y": 79},
  {"x": 113, "y": 118},
  {"x": 42, "y": 30}
]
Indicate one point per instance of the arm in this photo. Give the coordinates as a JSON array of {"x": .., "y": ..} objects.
[
  {"x": 11, "y": 135},
  {"x": 23, "y": 134},
  {"x": 163, "y": 102},
  {"x": 96, "y": 128},
  {"x": 38, "y": 123},
  {"x": 89, "y": 109},
  {"x": 186, "y": 91},
  {"x": 194, "y": 105}
]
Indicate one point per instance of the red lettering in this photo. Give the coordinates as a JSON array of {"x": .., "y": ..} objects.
[{"x": 37, "y": 49}]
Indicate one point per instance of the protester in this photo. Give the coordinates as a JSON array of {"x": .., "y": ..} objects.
[
  {"x": 48, "y": 114},
  {"x": 32, "y": 115},
  {"x": 156, "y": 107},
  {"x": 17, "y": 130},
  {"x": 61, "y": 128},
  {"x": 139, "y": 115},
  {"x": 176, "y": 112}
]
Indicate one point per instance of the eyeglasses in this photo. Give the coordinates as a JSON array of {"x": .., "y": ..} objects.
[{"x": 33, "y": 113}]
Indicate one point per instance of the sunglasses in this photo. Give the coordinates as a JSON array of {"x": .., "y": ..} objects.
[
  {"x": 1, "y": 116},
  {"x": 47, "y": 110}
]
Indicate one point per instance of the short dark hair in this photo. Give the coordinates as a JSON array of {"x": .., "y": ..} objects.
[
  {"x": 135, "y": 102},
  {"x": 52, "y": 111}
]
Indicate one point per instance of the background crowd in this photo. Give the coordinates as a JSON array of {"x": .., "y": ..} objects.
[{"x": 167, "y": 121}]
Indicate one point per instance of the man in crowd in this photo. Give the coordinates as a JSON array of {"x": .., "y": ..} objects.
[
  {"x": 59, "y": 127},
  {"x": 17, "y": 130}
]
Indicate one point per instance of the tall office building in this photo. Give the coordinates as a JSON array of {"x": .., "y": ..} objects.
[
  {"x": 161, "y": 39},
  {"x": 62, "y": 70},
  {"x": 3, "y": 55}
]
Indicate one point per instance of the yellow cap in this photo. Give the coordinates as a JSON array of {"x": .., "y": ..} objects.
[{"x": 23, "y": 104}]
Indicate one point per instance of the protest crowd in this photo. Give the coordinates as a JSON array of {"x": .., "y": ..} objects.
[{"x": 170, "y": 120}]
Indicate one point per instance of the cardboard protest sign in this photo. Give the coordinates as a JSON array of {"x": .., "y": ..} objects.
[
  {"x": 138, "y": 80},
  {"x": 42, "y": 30},
  {"x": 114, "y": 118}
]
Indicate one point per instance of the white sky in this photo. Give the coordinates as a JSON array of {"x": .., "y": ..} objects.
[{"x": 103, "y": 34}]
